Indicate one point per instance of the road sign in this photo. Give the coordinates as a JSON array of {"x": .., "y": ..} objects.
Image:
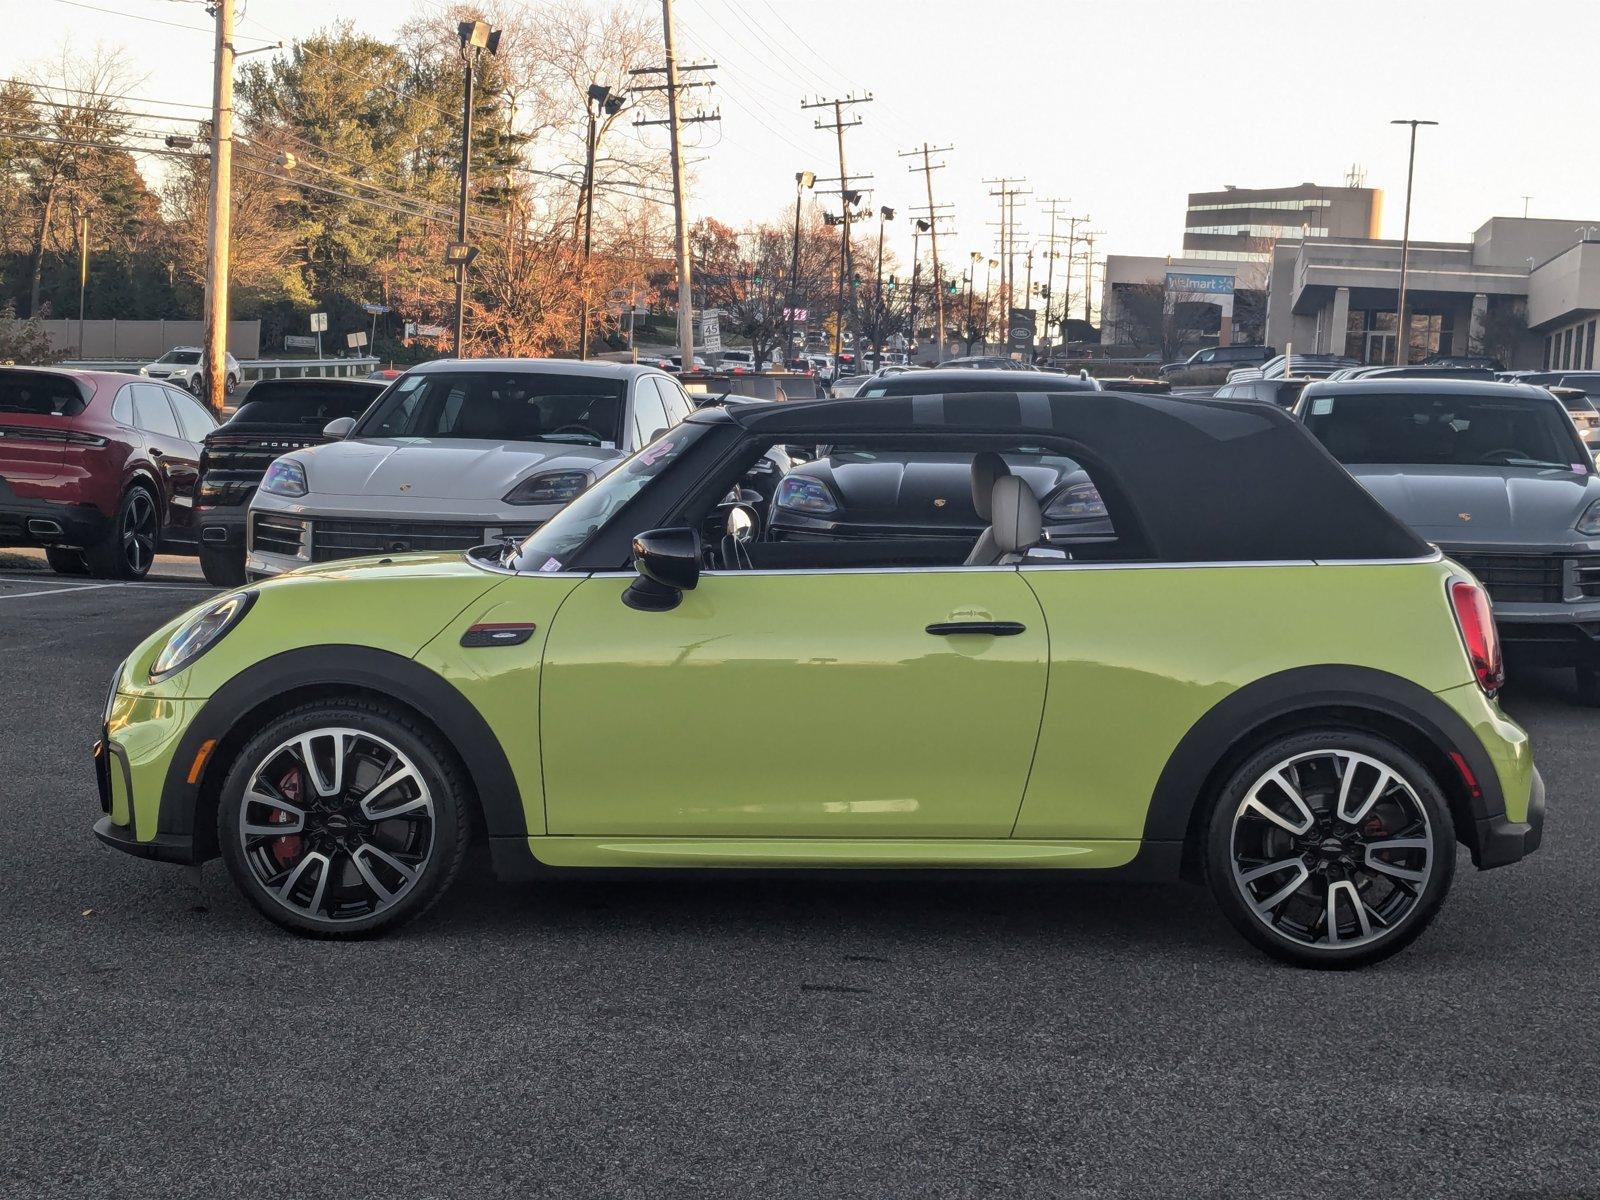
[
  {"x": 356, "y": 340},
  {"x": 295, "y": 341},
  {"x": 1020, "y": 330},
  {"x": 319, "y": 322},
  {"x": 795, "y": 314},
  {"x": 710, "y": 334},
  {"x": 375, "y": 309}
]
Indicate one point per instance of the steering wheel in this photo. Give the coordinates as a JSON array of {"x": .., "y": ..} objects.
[
  {"x": 1505, "y": 451},
  {"x": 576, "y": 427}
]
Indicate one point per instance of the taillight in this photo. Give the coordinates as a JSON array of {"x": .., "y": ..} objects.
[{"x": 1478, "y": 634}]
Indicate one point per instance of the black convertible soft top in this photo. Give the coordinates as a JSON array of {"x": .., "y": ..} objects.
[{"x": 1208, "y": 481}]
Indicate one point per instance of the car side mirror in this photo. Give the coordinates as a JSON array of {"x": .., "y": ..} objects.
[
  {"x": 668, "y": 562},
  {"x": 339, "y": 428}
]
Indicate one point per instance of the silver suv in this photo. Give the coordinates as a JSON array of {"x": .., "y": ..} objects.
[{"x": 456, "y": 454}]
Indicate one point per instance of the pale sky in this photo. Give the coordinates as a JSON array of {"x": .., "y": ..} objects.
[{"x": 1120, "y": 106}]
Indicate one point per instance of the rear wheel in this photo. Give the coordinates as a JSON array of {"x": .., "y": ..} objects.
[
  {"x": 129, "y": 547},
  {"x": 1331, "y": 849},
  {"x": 223, "y": 566},
  {"x": 66, "y": 560},
  {"x": 343, "y": 818}
]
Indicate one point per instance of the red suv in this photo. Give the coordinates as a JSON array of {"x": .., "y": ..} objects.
[{"x": 98, "y": 468}]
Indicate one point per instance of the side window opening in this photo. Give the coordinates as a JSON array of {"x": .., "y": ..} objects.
[{"x": 906, "y": 503}]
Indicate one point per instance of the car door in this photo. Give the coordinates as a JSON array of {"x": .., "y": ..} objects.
[
  {"x": 795, "y": 704},
  {"x": 170, "y": 453}
]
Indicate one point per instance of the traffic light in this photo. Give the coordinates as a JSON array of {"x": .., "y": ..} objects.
[
  {"x": 758, "y": 279},
  {"x": 891, "y": 283},
  {"x": 952, "y": 287},
  {"x": 855, "y": 281}
]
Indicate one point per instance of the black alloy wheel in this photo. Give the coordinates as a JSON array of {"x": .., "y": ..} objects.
[
  {"x": 1331, "y": 848},
  {"x": 128, "y": 549},
  {"x": 343, "y": 818}
]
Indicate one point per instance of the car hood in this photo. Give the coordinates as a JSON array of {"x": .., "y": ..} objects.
[
  {"x": 1454, "y": 504},
  {"x": 930, "y": 490},
  {"x": 440, "y": 468}
]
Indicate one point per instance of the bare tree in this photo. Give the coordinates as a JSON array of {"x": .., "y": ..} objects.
[
  {"x": 63, "y": 170},
  {"x": 1152, "y": 314}
]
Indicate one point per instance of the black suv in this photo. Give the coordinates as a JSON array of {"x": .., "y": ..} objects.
[
  {"x": 1212, "y": 364},
  {"x": 277, "y": 416}
]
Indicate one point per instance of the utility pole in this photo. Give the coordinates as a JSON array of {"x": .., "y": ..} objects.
[
  {"x": 680, "y": 219},
  {"x": 918, "y": 228},
  {"x": 1402, "y": 346},
  {"x": 599, "y": 99},
  {"x": 1066, "y": 286},
  {"x": 215, "y": 359},
  {"x": 847, "y": 197},
  {"x": 1050, "y": 268},
  {"x": 1007, "y": 194},
  {"x": 1088, "y": 275},
  {"x": 928, "y": 167},
  {"x": 83, "y": 272},
  {"x": 475, "y": 37},
  {"x": 885, "y": 215}
]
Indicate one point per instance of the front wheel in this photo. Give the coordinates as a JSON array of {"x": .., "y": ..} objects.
[
  {"x": 1331, "y": 848},
  {"x": 65, "y": 560},
  {"x": 343, "y": 818}
]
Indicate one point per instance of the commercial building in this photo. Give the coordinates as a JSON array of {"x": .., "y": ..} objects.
[
  {"x": 1240, "y": 225},
  {"x": 1525, "y": 290},
  {"x": 1229, "y": 239}
]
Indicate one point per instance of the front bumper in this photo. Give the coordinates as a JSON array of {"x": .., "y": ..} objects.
[
  {"x": 221, "y": 526},
  {"x": 164, "y": 847},
  {"x": 1502, "y": 841},
  {"x": 30, "y": 522}
]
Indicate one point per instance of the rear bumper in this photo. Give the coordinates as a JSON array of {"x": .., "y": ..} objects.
[
  {"x": 221, "y": 526},
  {"x": 1502, "y": 841},
  {"x": 31, "y": 522}
]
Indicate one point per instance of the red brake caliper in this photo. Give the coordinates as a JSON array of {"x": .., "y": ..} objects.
[{"x": 287, "y": 848}]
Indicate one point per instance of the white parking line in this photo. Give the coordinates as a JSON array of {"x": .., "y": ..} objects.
[
  {"x": 56, "y": 591},
  {"x": 57, "y": 588}
]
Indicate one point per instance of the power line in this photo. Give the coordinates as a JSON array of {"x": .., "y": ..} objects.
[{"x": 57, "y": 87}]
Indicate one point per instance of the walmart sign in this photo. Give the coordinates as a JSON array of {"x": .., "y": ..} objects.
[{"x": 1199, "y": 285}]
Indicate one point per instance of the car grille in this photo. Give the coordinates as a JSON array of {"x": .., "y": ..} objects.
[
  {"x": 1517, "y": 578},
  {"x": 350, "y": 539},
  {"x": 1534, "y": 578},
  {"x": 231, "y": 468},
  {"x": 273, "y": 534}
]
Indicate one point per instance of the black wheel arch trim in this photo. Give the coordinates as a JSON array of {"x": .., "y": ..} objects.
[
  {"x": 410, "y": 683},
  {"x": 1182, "y": 786}
]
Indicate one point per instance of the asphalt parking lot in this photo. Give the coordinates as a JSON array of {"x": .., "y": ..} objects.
[{"x": 1032, "y": 1037}]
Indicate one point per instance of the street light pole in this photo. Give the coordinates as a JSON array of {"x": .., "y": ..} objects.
[
  {"x": 885, "y": 215},
  {"x": 802, "y": 180},
  {"x": 83, "y": 273},
  {"x": 1402, "y": 347},
  {"x": 599, "y": 98}
]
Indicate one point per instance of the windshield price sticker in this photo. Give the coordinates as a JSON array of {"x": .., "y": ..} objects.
[
  {"x": 1322, "y": 406},
  {"x": 651, "y": 455},
  {"x": 551, "y": 564}
]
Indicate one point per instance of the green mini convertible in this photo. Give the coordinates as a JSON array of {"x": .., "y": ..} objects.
[{"x": 1224, "y": 663}]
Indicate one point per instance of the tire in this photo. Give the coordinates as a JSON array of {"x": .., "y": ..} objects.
[
  {"x": 1588, "y": 683},
  {"x": 64, "y": 560},
  {"x": 338, "y": 872},
  {"x": 230, "y": 384},
  {"x": 196, "y": 384},
  {"x": 223, "y": 566},
  {"x": 1379, "y": 904},
  {"x": 129, "y": 547}
]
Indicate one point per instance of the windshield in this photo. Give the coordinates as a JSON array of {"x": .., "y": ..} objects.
[
  {"x": 292, "y": 402},
  {"x": 1578, "y": 403},
  {"x": 510, "y": 405},
  {"x": 1427, "y": 429},
  {"x": 184, "y": 358},
  {"x": 556, "y": 542}
]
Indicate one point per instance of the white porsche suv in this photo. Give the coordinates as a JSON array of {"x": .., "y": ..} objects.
[{"x": 456, "y": 454}]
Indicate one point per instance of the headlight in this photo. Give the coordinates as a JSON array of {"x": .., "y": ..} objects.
[
  {"x": 1080, "y": 502},
  {"x": 553, "y": 487},
  {"x": 285, "y": 477},
  {"x": 144, "y": 370},
  {"x": 1589, "y": 523},
  {"x": 199, "y": 633},
  {"x": 801, "y": 494}
]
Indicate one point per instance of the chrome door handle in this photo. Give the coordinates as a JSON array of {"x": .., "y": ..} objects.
[{"x": 991, "y": 628}]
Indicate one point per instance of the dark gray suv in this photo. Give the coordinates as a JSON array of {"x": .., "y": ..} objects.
[{"x": 1496, "y": 476}]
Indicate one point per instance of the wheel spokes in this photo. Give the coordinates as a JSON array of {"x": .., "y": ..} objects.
[
  {"x": 324, "y": 866},
  {"x": 1343, "y": 887},
  {"x": 386, "y": 895},
  {"x": 296, "y": 815},
  {"x": 1347, "y": 784},
  {"x": 1268, "y": 907},
  {"x": 1255, "y": 804},
  {"x": 1409, "y": 874},
  {"x": 404, "y": 773},
  {"x": 332, "y": 784}
]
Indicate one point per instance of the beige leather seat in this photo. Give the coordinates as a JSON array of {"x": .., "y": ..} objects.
[
  {"x": 987, "y": 466},
  {"x": 1016, "y": 525}
]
